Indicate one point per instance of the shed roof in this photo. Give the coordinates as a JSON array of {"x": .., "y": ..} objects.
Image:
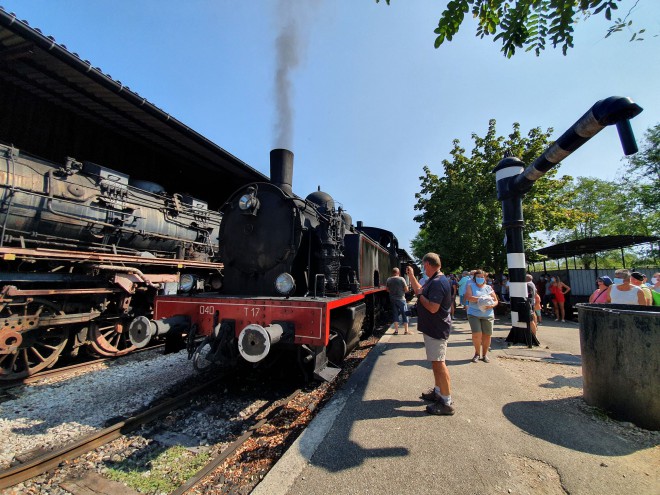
[
  {"x": 55, "y": 104},
  {"x": 593, "y": 245}
]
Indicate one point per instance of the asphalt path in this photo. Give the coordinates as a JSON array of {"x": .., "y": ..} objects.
[{"x": 520, "y": 426}]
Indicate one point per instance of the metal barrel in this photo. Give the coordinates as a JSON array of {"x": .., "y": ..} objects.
[{"x": 620, "y": 361}]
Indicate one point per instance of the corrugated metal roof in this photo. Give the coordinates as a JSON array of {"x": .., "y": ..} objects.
[
  {"x": 594, "y": 245},
  {"x": 52, "y": 87}
]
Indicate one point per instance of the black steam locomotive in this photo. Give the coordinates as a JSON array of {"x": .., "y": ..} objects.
[
  {"x": 297, "y": 275},
  {"x": 83, "y": 251}
]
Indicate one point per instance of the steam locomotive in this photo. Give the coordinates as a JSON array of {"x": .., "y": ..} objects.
[
  {"x": 83, "y": 251},
  {"x": 297, "y": 275}
]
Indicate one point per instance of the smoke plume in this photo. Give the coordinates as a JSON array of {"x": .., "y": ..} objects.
[{"x": 292, "y": 19}]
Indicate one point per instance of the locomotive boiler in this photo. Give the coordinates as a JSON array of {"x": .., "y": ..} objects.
[
  {"x": 297, "y": 275},
  {"x": 84, "y": 249}
]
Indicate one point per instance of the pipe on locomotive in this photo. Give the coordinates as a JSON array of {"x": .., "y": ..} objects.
[
  {"x": 130, "y": 270},
  {"x": 255, "y": 341},
  {"x": 142, "y": 329},
  {"x": 514, "y": 180}
]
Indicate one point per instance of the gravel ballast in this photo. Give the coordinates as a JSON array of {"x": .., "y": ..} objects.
[{"x": 47, "y": 415}]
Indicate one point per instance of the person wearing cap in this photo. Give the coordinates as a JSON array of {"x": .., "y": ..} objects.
[
  {"x": 599, "y": 296},
  {"x": 637, "y": 279},
  {"x": 623, "y": 292}
]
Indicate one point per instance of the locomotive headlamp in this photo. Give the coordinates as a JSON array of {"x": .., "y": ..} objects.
[
  {"x": 216, "y": 282},
  {"x": 285, "y": 284},
  {"x": 187, "y": 282},
  {"x": 248, "y": 202}
]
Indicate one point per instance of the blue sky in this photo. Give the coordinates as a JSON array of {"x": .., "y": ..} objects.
[{"x": 372, "y": 101}]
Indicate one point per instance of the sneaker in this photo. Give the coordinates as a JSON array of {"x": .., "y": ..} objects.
[
  {"x": 485, "y": 359},
  {"x": 431, "y": 396},
  {"x": 396, "y": 332},
  {"x": 475, "y": 358},
  {"x": 563, "y": 321},
  {"x": 440, "y": 409}
]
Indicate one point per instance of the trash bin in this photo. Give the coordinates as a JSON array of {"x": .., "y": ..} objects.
[{"x": 621, "y": 361}]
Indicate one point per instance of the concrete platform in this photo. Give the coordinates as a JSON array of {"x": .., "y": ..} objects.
[{"x": 520, "y": 426}]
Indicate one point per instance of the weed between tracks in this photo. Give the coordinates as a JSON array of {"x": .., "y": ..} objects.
[{"x": 161, "y": 470}]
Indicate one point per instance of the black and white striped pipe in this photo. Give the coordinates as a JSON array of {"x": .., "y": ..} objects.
[
  {"x": 514, "y": 180},
  {"x": 613, "y": 110}
]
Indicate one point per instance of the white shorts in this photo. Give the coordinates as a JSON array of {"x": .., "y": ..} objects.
[{"x": 436, "y": 349}]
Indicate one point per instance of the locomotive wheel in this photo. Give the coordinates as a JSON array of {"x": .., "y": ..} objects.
[
  {"x": 200, "y": 363},
  {"x": 39, "y": 349},
  {"x": 336, "y": 350},
  {"x": 109, "y": 339}
]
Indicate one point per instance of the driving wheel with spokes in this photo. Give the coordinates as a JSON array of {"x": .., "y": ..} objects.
[
  {"x": 39, "y": 348},
  {"x": 109, "y": 339}
]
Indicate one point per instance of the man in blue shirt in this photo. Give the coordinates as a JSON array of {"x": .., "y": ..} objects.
[{"x": 434, "y": 321}]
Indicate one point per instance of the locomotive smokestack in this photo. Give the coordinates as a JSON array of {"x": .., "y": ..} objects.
[{"x": 281, "y": 169}]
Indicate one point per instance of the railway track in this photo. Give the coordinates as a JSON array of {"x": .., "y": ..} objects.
[
  {"x": 257, "y": 436},
  {"x": 50, "y": 460},
  {"x": 47, "y": 461}
]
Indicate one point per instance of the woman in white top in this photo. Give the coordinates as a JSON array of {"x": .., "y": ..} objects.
[{"x": 623, "y": 292}]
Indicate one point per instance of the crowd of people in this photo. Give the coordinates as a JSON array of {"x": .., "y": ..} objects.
[{"x": 480, "y": 294}]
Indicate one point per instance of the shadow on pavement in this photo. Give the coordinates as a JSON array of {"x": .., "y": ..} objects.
[
  {"x": 560, "y": 381},
  {"x": 563, "y": 423},
  {"x": 353, "y": 455}
]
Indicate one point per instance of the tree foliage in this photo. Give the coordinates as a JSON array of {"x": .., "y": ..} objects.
[
  {"x": 528, "y": 24},
  {"x": 607, "y": 208},
  {"x": 460, "y": 216},
  {"x": 628, "y": 206}
]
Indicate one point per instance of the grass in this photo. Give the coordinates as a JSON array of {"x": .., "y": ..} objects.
[{"x": 160, "y": 471}]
